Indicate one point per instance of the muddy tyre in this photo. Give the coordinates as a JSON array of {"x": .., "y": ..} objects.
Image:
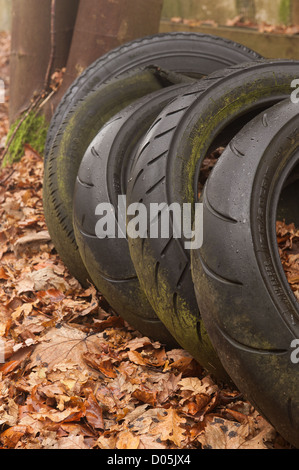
[{"x": 248, "y": 307}]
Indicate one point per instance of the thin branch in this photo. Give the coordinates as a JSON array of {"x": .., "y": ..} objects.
[
  {"x": 7, "y": 177},
  {"x": 47, "y": 98},
  {"x": 53, "y": 46}
]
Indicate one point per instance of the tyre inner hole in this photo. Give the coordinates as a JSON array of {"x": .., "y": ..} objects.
[
  {"x": 287, "y": 230},
  {"x": 287, "y": 223}
]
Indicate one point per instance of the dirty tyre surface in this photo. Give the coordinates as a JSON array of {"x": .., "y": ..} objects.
[
  {"x": 183, "y": 52},
  {"x": 167, "y": 168},
  {"x": 248, "y": 307},
  {"x": 70, "y": 144},
  {"x": 102, "y": 178},
  {"x": 95, "y": 97}
]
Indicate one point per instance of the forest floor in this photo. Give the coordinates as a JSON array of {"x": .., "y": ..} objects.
[
  {"x": 240, "y": 22},
  {"x": 76, "y": 376}
]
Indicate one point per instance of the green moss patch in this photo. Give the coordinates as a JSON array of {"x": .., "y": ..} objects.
[
  {"x": 33, "y": 131},
  {"x": 285, "y": 12}
]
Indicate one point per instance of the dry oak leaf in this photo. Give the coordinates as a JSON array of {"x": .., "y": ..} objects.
[
  {"x": 136, "y": 413},
  {"x": 142, "y": 420},
  {"x": 16, "y": 359},
  {"x": 66, "y": 416},
  {"x": 32, "y": 241},
  {"x": 182, "y": 362},
  {"x": 167, "y": 386},
  {"x": 69, "y": 442},
  {"x": 127, "y": 440},
  {"x": 169, "y": 427},
  {"x": 148, "y": 357},
  {"x": 224, "y": 434},
  {"x": 3, "y": 274},
  {"x": 93, "y": 412},
  {"x": 23, "y": 310},
  {"x": 100, "y": 363},
  {"x": 50, "y": 390},
  {"x": 6, "y": 348},
  {"x": 197, "y": 386},
  {"x": 106, "y": 442},
  {"x": 42, "y": 280},
  {"x": 63, "y": 348},
  {"x": 146, "y": 395},
  {"x": 9, "y": 413},
  {"x": 137, "y": 343},
  {"x": 149, "y": 442}
]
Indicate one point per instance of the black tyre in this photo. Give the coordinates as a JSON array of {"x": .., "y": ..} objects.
[
  {"x": 189, "y": 53},
  {"x": 83, "y": 112},
  {"x": 167, "y": 168},
  {"x": 102, "y": 179},
  {"x": 75, "y": 134},
  {"x": 247, "y": 305}
]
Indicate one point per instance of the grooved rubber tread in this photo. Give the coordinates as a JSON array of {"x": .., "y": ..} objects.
[
  {"x": 71, "y": 141},
  {"x": 95, "y": 97},
  {"x": 161, "y": 47},
  {"x": 248, "y": 307},
  {"x": 216, "y": 109},
  {"x": 102, "y": 177}
]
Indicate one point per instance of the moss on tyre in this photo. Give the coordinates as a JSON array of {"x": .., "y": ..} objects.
[
  {"x": 248, "y": 307},
  {"x": 73, "y": 138},
  {"x": 102, "y": 179},
  {"x": 190, "y": 53},
  {"x": 210, "y": 113},
  {"x": 95, "y": 97}
]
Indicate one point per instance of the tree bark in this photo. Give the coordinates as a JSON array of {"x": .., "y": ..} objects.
[
  {"x": 295, "y": 12},
  {"x": 102, "y": 25},
  {"x": 246, "y": 8},
  {"x": 31, "y": 47}
]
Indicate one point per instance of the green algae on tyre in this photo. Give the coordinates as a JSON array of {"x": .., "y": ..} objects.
[
  {"x": 249, "y": 308},
  {"x": 107, "y": 260},
  {"x": 208, "y": 115},
  {"x": 190, "y": 55},
  {"x": 186, "y": 53},
  {"x": 65, "y": 157},
  {"x": 194, "y": 54}
]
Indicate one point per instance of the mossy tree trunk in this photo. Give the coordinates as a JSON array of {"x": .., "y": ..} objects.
[
  {"x": 102, "y": 25},
  {"x": 31, "y": 47}
]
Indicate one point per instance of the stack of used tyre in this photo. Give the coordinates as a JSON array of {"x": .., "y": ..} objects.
[{"x": 134, "y": 131}]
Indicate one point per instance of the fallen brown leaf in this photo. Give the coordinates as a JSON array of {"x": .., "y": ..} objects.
[
  {"x": 169, "y": 427},
  {"x": 11, "y": 436}
]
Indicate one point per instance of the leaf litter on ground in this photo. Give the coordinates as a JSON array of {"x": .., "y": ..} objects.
[{"x": 76, "y": 375}]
